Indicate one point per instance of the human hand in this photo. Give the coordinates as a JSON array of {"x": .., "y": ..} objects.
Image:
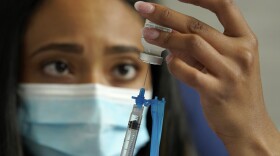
[{"x": 222, "y": 67}]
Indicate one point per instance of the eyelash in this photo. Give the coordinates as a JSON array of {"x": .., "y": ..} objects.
[
  {"x": 47, "y": 64},
  {"x": 125, "y": 65},
  {"x": 120, "y": 72}
]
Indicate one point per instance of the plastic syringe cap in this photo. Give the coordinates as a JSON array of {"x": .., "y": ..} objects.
[
  {"x": 142, "y": 92},
  {"x": 140, "y": 99}
]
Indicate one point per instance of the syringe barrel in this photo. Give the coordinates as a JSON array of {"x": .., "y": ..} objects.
[{"x": 132, "y": 131}]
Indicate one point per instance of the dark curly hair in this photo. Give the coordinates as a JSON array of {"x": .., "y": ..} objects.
[{"x": 14, "y": 15}]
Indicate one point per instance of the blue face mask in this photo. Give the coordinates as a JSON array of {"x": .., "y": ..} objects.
[{"x": 76, "y": 120}]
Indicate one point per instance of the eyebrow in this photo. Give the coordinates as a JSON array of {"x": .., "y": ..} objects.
[
  {"x": 76, "y": 48},
  {"x": 123, "y": 49},
  {"x": 63, "y": 47}
]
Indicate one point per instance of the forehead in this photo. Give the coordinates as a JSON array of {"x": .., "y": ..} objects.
[
  {"x": 112, "y": 10},
  {"x": 92, "y": 18}
]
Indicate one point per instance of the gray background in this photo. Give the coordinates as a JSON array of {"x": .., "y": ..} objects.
[{"x": 263, "y": 17}]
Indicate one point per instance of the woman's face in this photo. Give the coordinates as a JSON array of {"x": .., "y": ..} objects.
[{"x": 90, "y": 41}]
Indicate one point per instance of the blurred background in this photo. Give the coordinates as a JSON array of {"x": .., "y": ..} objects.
[{"x": 262, "y": 18}]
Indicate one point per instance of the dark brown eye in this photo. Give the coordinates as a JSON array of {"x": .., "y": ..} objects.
[
  {"x": 125, "y": 72},
  {"x": 56, "y": 68}
]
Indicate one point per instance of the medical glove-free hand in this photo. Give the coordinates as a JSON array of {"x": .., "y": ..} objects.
[{"x": 222, "y": 67}]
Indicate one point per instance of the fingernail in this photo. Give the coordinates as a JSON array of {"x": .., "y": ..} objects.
[
  {"x": 168, "y": 58},
  {"x": 144, "y": 7},
  {"x": 150, "y": 34}
]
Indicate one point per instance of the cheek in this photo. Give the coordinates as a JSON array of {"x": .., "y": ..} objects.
[{"x": 27, "y": 69}]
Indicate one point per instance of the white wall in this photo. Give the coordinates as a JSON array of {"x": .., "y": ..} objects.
[{"x": 263, "y": 17}]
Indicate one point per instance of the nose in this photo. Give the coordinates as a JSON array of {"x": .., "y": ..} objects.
[{"x": 94, "y": 76}]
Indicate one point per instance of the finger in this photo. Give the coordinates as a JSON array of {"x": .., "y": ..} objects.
[
  {"x": 228, "y": 14},
  {"x": 188, "y": 74},
  {"x": 190, "y": 60},
  {"x": 188, "y": 45},
  {"x": 182, "y": 23},
  {"x": 187, "y": 24}
]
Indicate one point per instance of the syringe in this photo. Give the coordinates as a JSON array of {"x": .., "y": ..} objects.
[
  {"x": 151, "y": 55},
  {"x": 132, "y": 130}
]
